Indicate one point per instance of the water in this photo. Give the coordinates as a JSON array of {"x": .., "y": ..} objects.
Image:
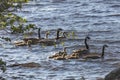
[{"x": 100, "y": 19}]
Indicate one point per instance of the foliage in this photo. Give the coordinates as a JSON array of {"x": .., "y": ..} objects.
[
  {"x": 6, "y": 4},
  {"x": 8, "y": 19},
  {"x": 6, "y": 38},
  {"x": 12, "y": 22}
]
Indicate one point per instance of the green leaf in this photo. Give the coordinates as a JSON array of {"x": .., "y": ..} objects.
[
  {"x": 10, "y": 14},
  {"x": 55, "y": 45},
  {"x": 68, "y": 34},
  {"x": 62, "y": 43}
]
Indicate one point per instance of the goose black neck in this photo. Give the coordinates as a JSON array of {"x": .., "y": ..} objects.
[
  {"x": 39, "y": 36},
  {"x": 58, "y": 34},
  {"x": 86, "y": 45},
  {"x": 103, "y": 51}
]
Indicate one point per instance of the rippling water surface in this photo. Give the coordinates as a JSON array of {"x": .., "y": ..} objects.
[{"x": 100, "y": 19}]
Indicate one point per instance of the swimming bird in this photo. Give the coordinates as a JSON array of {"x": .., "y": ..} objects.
[
  {"x": 34, "y": 40},
  {"x": 83, "y": 51},
  {"x": 23, "y": 43},
  {"x": 60, "y": 57},
  {"x": 59, "y": 54},
  {"x": 95, "y": 55},
  {"x": 52, "y": 41}
]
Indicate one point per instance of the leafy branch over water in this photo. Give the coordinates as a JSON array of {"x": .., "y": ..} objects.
[{"x": 12, "y": 22}]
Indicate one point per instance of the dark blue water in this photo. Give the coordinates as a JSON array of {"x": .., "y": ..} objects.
[{"x": 100, "y": 19}]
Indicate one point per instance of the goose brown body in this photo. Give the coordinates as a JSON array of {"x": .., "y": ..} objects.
[
  {"x": 83, "y": 51},
  {"x": 95, "y": 55},
  {"x": 53, "y": 41},
  {"x": 48, "y": 42},
  {"x": 22, "y": 43},
  {"x": 34, "y": 40},
  {"x": 92, "y": 56}
]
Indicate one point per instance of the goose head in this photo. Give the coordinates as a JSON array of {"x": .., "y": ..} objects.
[
  {"x": 87, "y": 37},
  {"x": 105, "y": 45},
  {"x": 58, "y": 32},
  {"x": 59, "y": 29}
]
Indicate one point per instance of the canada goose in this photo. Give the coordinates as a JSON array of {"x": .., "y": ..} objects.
[
  {"x": 53, "y": 41},
  {"x": 57, "y": 34},
  {"x": 34, "y": 40},
  {"x": 23, "y": 43},
  {"x": 83, "y": 51},
  {"x": 94, "y": 55},
  {"x": 60, "y": 53}
]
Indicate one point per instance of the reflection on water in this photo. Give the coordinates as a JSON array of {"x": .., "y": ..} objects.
[{"x": 97, "y": 18}]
